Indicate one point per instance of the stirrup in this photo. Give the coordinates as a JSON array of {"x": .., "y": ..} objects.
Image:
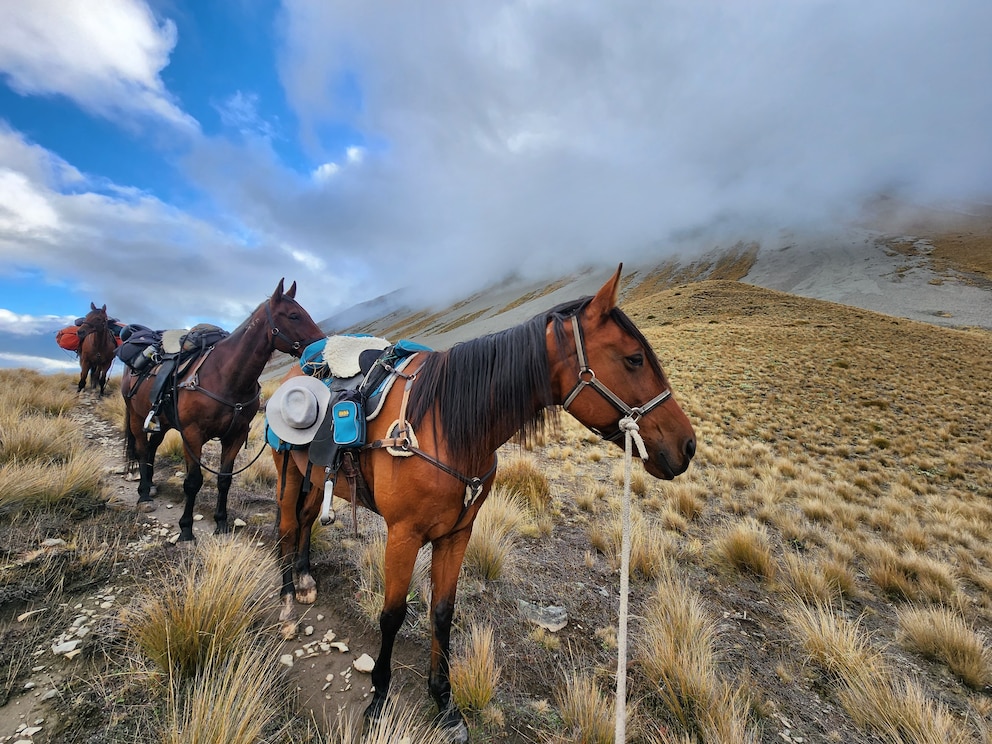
[{"x": 152, "y": 424}]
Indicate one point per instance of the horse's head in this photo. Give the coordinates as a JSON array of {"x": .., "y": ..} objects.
[
  {"x": 604, "y": 371},
  {"x": 291, "y": 326},
  {"x": 96, "y": 318}
]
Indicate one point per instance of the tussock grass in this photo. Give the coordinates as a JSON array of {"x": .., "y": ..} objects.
[
  {"x": 398, "y": 724},
  {"x": 942, "y": 635},
  {"x": 745, "y": 547},
  {"x": 36, "y": 485},
  {"x": 201, "y": 612},
  {"x": 491, "y": 548},
  {"x": 521, "y": 474},
  {"x": 896, "y": 710},
  {"x": 587, "y": 713},
  {"x": 676, "y": 653},
  {"x": 475, "y": 673},
  {"x": 28, "y": 391},
  {"x": 650, "y": 543},
  {"x": 233, "y": 698},
  {"x": 38, "y": 438}
]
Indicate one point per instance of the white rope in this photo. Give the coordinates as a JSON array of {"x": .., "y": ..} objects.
[{"x": 631, "y": 432}]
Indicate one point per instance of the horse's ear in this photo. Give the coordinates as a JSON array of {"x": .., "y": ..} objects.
[
  {"x": 103, "y": 309},
  {"x": 291, "y": 292},
  {"x": 279, "y": 290},
  {"x": 606, "y": 298},
  {"x": 92, "y": 306}
]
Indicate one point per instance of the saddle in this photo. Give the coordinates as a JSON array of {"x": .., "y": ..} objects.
[{"x": 165, "y": 356}]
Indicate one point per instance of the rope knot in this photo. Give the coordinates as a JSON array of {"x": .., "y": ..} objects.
[{"x": 632, "y": 431}]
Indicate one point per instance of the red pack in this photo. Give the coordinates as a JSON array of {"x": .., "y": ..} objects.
[{"x": 68, "y": 338}]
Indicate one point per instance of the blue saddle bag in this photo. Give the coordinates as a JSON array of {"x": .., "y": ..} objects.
[{"x": 349, "y": 421}]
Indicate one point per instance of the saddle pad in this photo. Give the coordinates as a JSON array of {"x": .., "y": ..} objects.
[
  {"x": 338, "y": 356},
  {"x": 172, "y": 340}
]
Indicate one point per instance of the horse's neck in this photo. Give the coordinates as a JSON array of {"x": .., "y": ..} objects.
[{"x": 245, "y": 353}]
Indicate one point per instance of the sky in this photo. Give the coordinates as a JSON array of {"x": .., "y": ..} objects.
[{"x": 174, "y": 159}]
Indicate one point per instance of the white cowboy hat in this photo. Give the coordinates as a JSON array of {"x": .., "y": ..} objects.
[{"x": 296, "y": 409}]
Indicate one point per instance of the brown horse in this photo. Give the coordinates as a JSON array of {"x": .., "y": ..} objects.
[
  {"x": 216, "y": 398},
  {"x": 463, "y": 404},
  {"x": 96, "y": 348}
]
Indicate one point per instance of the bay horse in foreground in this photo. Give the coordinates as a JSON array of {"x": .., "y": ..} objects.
[
  {"x": 96, "y": 348},
  {"x": 216, "y": 398},
  {"x": 463, "y": 404}
]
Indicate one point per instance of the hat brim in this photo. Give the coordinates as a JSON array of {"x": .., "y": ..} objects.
[{"x": 273, "y": 409}]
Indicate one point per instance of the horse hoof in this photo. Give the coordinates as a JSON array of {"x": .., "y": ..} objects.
[
  {"x": 222, "y": 529},
  {"x": 451, "y": 723},
  {"x": 186, "y": 536},
  {"x": 288, "y": 629},
  {"x": 306, "y": 596}
]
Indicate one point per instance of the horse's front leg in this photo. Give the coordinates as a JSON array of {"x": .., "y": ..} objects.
[
  {"x": 191, "y": 486},
  {"x": 446, "y": 562},
  {"x": 82, "y": 381},
  {"x": 307, "y": 509},
  {"x": 229, "y": 453},
  {"x": 401, "y": 554},
  {"x": 288, "y": 492}
]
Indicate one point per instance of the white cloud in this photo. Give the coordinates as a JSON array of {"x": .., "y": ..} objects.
[
  {"x": 42, "y": 364},
  {"x": 515, "y": 131},
  {"x": 240, "y": 112},
  {"x": 19, "y": 324},
  {"x": 105, "y": 56},
  {"x": 325, "y": 172}
]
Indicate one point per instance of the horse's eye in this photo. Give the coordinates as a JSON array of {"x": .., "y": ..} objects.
[
  {"x": 635, "y": 360},
  {"x": 294, "y": 316}
]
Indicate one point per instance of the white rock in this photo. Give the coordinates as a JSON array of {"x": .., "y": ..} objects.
[
  {"x": 240, "y": 523},
  {"x": 308, "y": 630},
  {"x": 286, "y": 659},
  {"x": 52, "y": 542},
  {"x": 65, "y": 647},
  {"x": 197, "y": 517},
  {"x": 31, "y": 730},
  {"x": 364, "y": 663},
  {"x": 340, "y": 646}
]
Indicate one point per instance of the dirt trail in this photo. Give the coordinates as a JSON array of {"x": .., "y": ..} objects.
[{"x": 331, "y": 636}]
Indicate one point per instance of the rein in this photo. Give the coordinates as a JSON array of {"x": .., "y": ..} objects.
[{"x": 587, "y": 378}]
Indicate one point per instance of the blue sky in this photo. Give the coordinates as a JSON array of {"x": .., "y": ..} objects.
[{"x": 174, "y": 159}]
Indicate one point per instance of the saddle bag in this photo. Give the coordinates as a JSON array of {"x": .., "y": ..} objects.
[
  {"x": 348, "y": 415},
  {"x": 68, "y": 338}
]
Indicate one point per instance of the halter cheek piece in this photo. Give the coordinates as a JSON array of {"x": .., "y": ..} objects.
[
  {"x": 587, "y": 378},
  {"x": 276, "y": 333}
]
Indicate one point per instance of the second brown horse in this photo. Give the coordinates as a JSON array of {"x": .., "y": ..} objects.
[{"x": 216, "y": 399}]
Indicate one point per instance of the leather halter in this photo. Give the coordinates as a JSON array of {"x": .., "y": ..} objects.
[
  {"x": 587, "y": 378},
  {"x": 276, "y": 333}
]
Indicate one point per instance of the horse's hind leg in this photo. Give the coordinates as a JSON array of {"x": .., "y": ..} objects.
[
  {"x": 82, "y": 381},
  {"x": 145, "y": 447},
  {"x": 446, "y": 562}
]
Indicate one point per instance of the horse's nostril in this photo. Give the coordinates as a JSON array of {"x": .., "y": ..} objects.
[{"x": 690, "y": 449}]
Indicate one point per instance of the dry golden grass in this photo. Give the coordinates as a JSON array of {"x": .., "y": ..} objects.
[
  {"x": 676, "y": 653},
  {"x": 231, "y": 700},
  {"x": 944, "y": 636},
  {"x": 397, "y": 724},
  {"x": 587, "y": 712},
  {"x": 200, "y": 613},
  {"x": 475, "y": 673},
  {"x": 522, "y": 475}
]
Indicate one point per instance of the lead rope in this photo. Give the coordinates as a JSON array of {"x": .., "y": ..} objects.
[{"x": 631, "y": 432}]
